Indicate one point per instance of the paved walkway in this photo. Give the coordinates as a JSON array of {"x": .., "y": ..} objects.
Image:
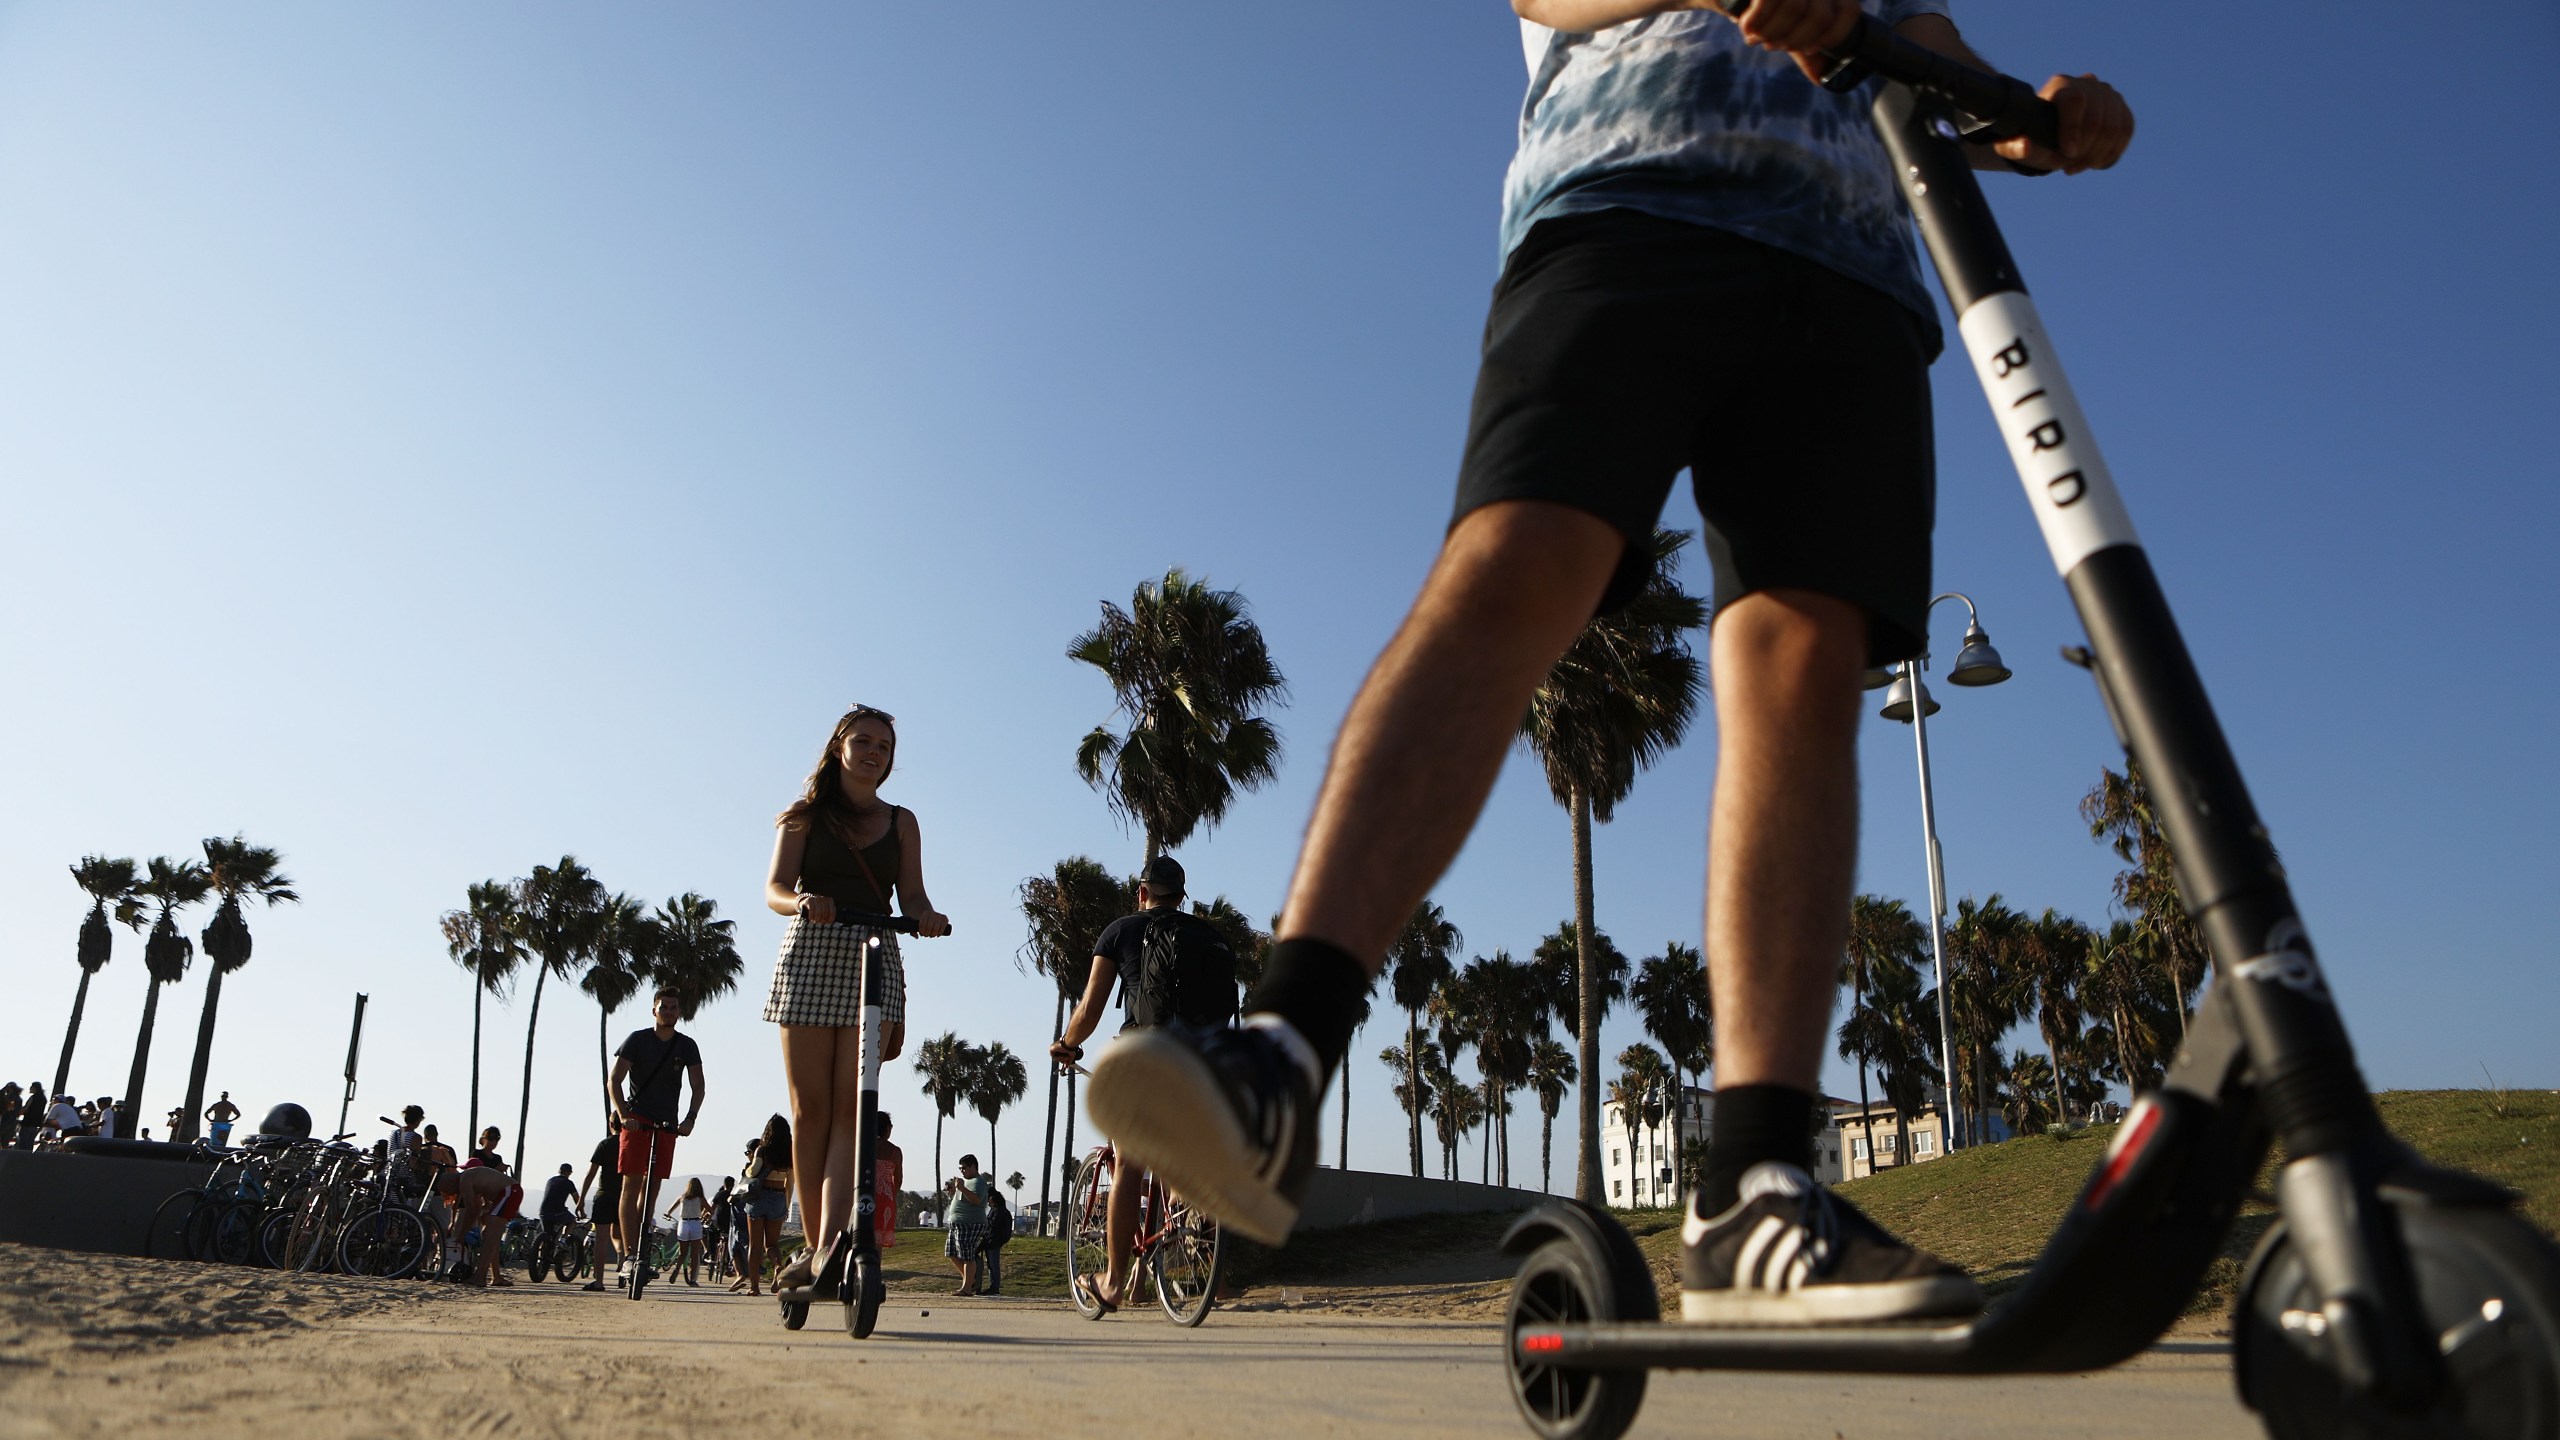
[{"x": 538, "y": 1361}]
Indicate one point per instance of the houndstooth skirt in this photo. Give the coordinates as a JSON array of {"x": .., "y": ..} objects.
[{"x": 817, "y": 979}]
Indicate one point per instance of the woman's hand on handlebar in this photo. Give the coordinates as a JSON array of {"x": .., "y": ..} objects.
[
  {"x": 817, "y": 909},
  {"x": 1802, "y": 28},
  {"x": 2096, "y": 126},
  {"x": 931, "y": 923}
]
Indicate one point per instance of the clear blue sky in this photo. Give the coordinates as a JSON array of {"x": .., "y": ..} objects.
[{"x": 436, "y": 441}]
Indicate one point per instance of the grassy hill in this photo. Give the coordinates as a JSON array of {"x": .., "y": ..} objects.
[{"x": 1991, "y": 1209}]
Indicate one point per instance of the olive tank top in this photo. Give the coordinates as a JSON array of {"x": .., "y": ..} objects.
[{"x": 827, "y": 867}]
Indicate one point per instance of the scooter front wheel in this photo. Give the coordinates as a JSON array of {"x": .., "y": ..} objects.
[
  {"x": 795, "y": 1313},
  {"x": 864, "y": 1290},
  {"x": 2489, "y": 1287},
  {"x": 1570, "y": 1280}
]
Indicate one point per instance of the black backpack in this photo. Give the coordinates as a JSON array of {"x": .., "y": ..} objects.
[{"x": 1186, "y": 972}]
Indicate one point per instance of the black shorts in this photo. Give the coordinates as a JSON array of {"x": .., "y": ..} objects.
[{"x": 1623, "y": 348}]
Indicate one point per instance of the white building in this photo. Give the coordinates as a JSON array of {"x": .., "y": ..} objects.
[
  {"x": 1644, "y": 1170},
  {"x": 1927, "y": 1130}
]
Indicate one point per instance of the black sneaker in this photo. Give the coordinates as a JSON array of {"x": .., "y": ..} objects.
[
  {"x": 1224, "y": 1117},
  {"x": 1791, "y": 1253}
]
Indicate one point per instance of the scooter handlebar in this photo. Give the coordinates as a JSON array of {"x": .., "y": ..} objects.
[
  {"x": 2005, "y": 106},
  {"x": 902, "y": 924}
]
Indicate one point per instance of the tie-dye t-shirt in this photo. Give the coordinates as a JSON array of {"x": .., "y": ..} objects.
[{"x": 1676, "y": 116}]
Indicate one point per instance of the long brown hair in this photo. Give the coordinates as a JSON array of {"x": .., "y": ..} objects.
[{"x": 823, "y": 796}]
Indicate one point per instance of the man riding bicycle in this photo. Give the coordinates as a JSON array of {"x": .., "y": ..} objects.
[{"x": 1181, "y": 970}]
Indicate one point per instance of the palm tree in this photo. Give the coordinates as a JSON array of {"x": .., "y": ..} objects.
[
  {"x": 2027, "y": 1085},
  {"x": 560, "y": 909},
  {"x": 1984, "y": 1000},
  {"x": 1065, "y": 911},
  {"x": 1500, "y": 1002},
  {"x": 697, "y": 952},
  {"x": 1013, "y": 1182},
  {"x": 1422, "y": 959},
  {"x": 2119, "y": 811},
  {"x": 997, "y": 1080},
  {"x": 483, "y": 939},
  {"x": 236, "y": 868},
  {"x": 108, "y": 882},
  {"x": 1412, "y": 1091},
  {"x": 944, "y": 1063},
  {"x": 1645, "y": 1081},
  {"x": 2052, "y": 955},
  {"x": 1671, "y": 993},
  {"x": 1885, "y": 948},
  {"x": 171, "y": 885},
  {"x": 1558, "y": 958},
  {"x": 1455, "y": 1110},
  {"x": 620, "y": 960},
  {"x": 1190, "y": 670},
  {"x": 1551, "y": 1074},
  {"x": 1620, "y": 698},
  {"x": 2119, "y": 987}
]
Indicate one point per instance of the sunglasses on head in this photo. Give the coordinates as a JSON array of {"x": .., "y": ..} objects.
[{"x": 866, "y": 712}]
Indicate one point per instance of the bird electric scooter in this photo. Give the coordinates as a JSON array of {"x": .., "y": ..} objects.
[
  {"x": 2391, "y": 1297},
  {"x": 850, "y": 1272}
]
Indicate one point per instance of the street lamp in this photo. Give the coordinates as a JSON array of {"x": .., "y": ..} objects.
[{"x": 1910, "y": 703}]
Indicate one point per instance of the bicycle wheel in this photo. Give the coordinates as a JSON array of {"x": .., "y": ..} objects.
[
  {"x": 1088, "y": 1254},
  {"x": 167, "y": 1237},
  {"x": 389, "y": 1244},
  {"x": 235, "y": 1233},
  {"x": 273, "y": 1230},
  {"x": 1186, "y": 1263}
]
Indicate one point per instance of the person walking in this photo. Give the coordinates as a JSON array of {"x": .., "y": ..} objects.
[
  {"x": 659, "y": 1056},
  {"x": 1707, "y": 266},
  {"x": 688, "y": 1210},
  {"x": 724, "y": 1218},
  {"x": 31, "y": 1117},
  {"x": 964, "y": 1221},
  {"x": 220, "y": 1116},
  {"x": 604, "y": 1179},
  {"x": 768, "y": 1200},
  {"x": 888, "y": 1173},
  {"x": 839, "y": 849},
  {"x": 1169, "y": 966}
]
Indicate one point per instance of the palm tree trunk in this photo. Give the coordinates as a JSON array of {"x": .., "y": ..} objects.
[
  {"x": 194, "y": 1109},
  {"x": 2053, "y": 1056},
  {"x": 604, "y": 1060},
  {"x": 1546, "y": 1150},
  {"x": 1049, "y": 1131},
  {"x": 71, "y": 1037},
  {"x": 938, "y": 1176},
  {"x": 126, "y": 1125},
  {"x": 524, "y": 1109},
  {"x": 1342, "y": 1150},
  {"x": 1414, "y": 1080},
  {"x": 991, "y": 1172},
  {"x": 1867, "y": 1119},
  {"x": 478, "y": 993},
  {"x": 1587, "y": 1175}
]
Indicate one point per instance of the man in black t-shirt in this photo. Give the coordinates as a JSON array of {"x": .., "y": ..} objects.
[
  {"x": 650, "y": 1061},
  {"x": 1120, "y": 954}
]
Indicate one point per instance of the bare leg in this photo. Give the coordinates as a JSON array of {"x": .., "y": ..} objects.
[
  {"x": 1514, "y": 584},
  {"x": 1120, "y": 1225},
  {"x": 809, "y": 1071},
  {"x": 1783, "y": 848},
  {"x": 637, "y": 1193},
  {"x": 845, "y": 1119}
]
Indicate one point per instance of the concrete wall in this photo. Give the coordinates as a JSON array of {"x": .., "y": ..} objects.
[
  {"x": 1362, "y": 1197},
  {"x": 86, "y": 1202}
]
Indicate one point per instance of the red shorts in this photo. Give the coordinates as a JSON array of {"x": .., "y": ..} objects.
[
  {"x": 514, "y": 1205},
  {"x": 632, "y": 1156}
]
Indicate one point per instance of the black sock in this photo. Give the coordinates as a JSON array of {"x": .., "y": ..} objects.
[
  {"x": 1316, "y": 987},
  {"x": 1752, "y": 1124}
]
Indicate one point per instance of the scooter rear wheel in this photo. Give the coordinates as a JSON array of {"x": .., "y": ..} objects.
[
  {"x": 1569, "y": 1281},
  {"x": 2489, "y": 1286},
  {"x": 864, "y": 1289},
  {"x": 795, "y": 1313}
]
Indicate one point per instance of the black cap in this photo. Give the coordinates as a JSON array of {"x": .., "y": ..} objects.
[{"x": 1163, "y": 875}]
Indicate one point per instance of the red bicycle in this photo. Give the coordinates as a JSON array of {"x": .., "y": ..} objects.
[{"x": 1180, "y": 1246}]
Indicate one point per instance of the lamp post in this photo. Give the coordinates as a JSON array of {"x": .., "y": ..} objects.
[{"x": 1909, "y": 701}]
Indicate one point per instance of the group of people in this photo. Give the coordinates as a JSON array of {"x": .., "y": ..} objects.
[{"x": 31, "y": 1121}]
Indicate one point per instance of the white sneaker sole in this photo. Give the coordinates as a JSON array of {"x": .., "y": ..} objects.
[
  {"x": 1933, "y": 1297},
  {"x": 1162, "y": 1108}
]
